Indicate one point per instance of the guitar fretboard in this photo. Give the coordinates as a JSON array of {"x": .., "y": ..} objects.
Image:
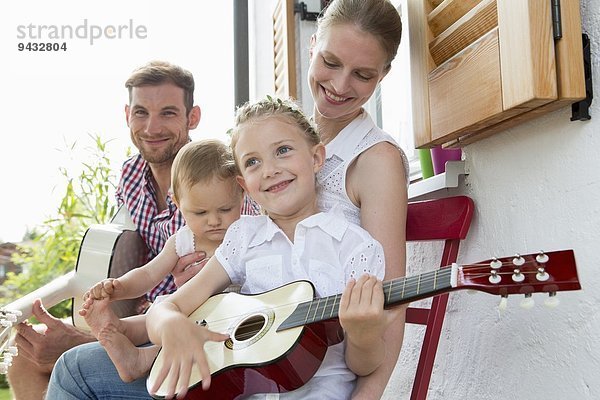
[{"x": 397, "y": 291}]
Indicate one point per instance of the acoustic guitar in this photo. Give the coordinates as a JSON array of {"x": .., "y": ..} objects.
[
  {"x": 278, "y": 338},
  {"x": 106, "y": 250}
]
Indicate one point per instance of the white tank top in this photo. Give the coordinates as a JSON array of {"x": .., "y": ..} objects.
[{"x": 360, "y": 135}]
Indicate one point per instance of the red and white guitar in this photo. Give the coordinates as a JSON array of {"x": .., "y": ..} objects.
[
  {"x": 107, "y": 250},
  {"x": 278, "y": 338}
]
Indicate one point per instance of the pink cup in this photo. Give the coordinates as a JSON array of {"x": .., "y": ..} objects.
[{"x": 439, "y": 157}]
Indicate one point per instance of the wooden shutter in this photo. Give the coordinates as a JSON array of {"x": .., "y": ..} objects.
[
  {"x": 481, "y": 66},
  {"x": 284, "y": 45}
]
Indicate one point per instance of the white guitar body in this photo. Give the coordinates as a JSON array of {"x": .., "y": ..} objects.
[
  {"x": 108, "y": 250},
  {"x": 251, "y": 322}
]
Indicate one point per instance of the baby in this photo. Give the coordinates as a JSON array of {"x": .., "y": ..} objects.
[{"x": 203, "y": 179}]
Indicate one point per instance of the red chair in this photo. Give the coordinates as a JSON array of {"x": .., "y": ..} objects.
[{"x": 446, "y": 219}]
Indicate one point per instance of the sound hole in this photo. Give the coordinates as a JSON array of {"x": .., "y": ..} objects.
[
  {"x": 250, "y": 330},
  {"x": 250, "y": 327}
]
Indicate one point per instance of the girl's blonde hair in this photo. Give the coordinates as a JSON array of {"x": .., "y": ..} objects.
[
  {"x": 201, "y": 161},
  {"x": 273, "y": 107}
]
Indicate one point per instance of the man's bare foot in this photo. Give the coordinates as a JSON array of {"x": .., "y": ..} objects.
[
  {"x": 131, "y": 362},
  {"x": 98, "y": 314}
]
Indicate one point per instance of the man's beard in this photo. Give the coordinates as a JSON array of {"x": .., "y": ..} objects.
[
  {"x": 163, "y": 155},
  {"x": 158, "y": 157}
]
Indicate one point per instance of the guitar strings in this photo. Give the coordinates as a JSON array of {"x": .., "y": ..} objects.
[{"x": 395, "y": 287}]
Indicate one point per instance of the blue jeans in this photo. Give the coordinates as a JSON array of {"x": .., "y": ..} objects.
[{"x": 86, "y": 372}]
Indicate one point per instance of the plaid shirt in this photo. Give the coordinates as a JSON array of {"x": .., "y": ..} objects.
[{"x": 136, "y": 191}]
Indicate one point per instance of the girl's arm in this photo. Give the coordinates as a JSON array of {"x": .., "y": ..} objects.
[
  {"x": 139, "y": 281},
  {"x": 363, "y": 320},
  {"x": 377, "y": 184},
  {"x": 182, "y": 340}
]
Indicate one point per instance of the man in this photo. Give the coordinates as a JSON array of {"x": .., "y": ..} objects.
[{"x": 160, "y": 114}]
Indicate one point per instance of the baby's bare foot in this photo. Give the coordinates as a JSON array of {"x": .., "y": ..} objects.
[
  {"x": 99, "y": 314},
  {"x": 131, "y": 362}
]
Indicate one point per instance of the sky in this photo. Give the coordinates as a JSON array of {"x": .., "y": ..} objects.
[{"x": 54, "y": 98}]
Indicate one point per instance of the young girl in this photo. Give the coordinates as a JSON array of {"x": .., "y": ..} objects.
[
  {"x": 205, "y": 190},
  {"x": 278, "y": 153}
]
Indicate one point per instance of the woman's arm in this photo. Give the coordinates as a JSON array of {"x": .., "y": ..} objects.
[{"x": 376, "y": 183}]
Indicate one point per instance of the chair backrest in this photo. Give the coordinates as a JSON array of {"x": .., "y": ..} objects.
[
  {"x": 441, "y": 219},
  {"x": 447, "y": 219}
]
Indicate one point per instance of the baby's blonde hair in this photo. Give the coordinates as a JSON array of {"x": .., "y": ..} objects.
[{"x": 201, "y": 161}]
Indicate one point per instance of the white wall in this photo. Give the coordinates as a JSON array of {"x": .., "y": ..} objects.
[{"x": 535, "y": 186}]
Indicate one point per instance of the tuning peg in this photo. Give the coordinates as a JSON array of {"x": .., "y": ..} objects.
[
  {"x": 12, "y": 317},
  {"x": 494, "y": 277},
  {"x": 552, "y": 301},
  {"x": 542, "y": 258},
  {"x": 527, "y": 303},
  {"x": 495, "y": 263},
  {"x": 13, "y": 350},
  {"x": 518, "y": 276},
  {"x": 518, "y": 260},
  {"x": 503, "y": 303},
  {"x": 542, "y": 275},
  {"x": 8, "y": 358},
  {"x": 3, "y": 368}
]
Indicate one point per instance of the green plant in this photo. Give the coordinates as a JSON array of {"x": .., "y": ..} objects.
[
  {"x": 54, "y": 245},
  {"x": 5, "y": 394}
]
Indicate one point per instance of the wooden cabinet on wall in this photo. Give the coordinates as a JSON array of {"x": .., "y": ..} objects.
[{"x": 482, "y": 66}]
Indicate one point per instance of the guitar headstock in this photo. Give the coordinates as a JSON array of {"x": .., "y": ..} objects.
[
  {"x": 549, "y": 272},
  {"x": 7, "y": 319}
]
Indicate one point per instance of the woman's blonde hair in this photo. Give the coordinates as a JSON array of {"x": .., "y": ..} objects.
[{"x": 377, "y": 17}]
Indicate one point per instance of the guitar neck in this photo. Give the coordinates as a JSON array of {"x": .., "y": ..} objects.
[
  {"x": 52, "y": 293},
  {"x": 397, "y": 291}
]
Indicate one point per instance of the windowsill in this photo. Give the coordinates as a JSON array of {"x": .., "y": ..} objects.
[{"x": 445, "y": 180}]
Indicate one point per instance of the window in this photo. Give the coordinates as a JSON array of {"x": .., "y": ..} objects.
[{"x": 391, "y": 106}]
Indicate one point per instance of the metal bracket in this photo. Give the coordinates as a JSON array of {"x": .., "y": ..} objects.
[
  {"x": 580, "y": 111},
  {"x": 446, "y": 180},
  {"x": 556, "y": 19},
  {"x": 305, "y": 15}
]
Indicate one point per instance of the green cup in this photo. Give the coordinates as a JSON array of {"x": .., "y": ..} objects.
[{"x": 426, "y": 164}]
